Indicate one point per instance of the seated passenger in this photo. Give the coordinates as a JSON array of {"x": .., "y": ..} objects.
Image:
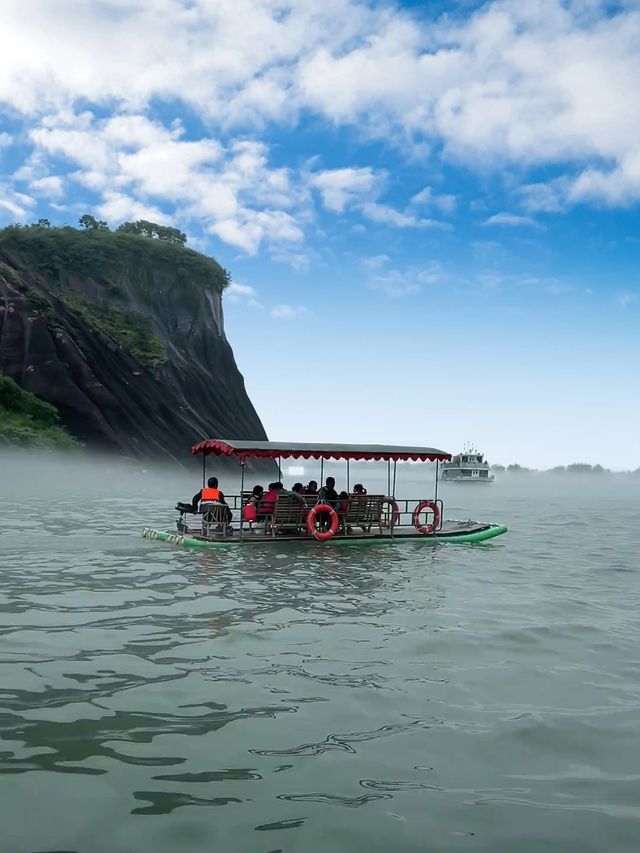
[
  {"x": 296, "y": 492},
  {"x": 312, "y": 488},
  {"x": 329, "y": 495},
  {"x": 344, "y": 501},
  {"x": 211, "y": 494},
  {"x": 269, "y": 499},
  {"x": 250, "y": 511},
  {"x": 359, "y": 489}
]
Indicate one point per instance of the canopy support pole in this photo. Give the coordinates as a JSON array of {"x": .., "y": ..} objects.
[
  {"x": 279, "y": 469},
  {"x": 241, "y": 495},
  {"x": 388, "y": 476},
  {"x": 321, "y": 472},
  {"x": 393, "y": 495},
  {"x": 204, "y": 469},
  {"x": 348, "y": 489},
  {"x": 437, "y": 466}
]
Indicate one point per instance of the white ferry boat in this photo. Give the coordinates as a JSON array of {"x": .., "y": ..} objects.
[{"x": 466, "y": 467}]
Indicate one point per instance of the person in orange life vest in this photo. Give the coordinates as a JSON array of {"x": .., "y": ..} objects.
[{"x": 211, "y": 494}]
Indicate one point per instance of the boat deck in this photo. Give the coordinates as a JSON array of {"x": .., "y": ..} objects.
[{"x": 458, "y": 531}]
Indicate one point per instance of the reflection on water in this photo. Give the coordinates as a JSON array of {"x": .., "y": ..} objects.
[{"x": 404, "y": 698}]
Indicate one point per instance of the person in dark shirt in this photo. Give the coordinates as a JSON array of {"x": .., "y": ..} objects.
[
  {"x": 329, "y": 495},
  {"x": 312, "y": 488},
  {"x": 297, "y": 491}
]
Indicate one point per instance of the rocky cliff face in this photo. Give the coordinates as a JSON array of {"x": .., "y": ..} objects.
[{"x": 124, "y": 335}]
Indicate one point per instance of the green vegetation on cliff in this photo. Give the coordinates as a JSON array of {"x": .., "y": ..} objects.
[
  {"x": 26, "y": 420},
  {"x": 106, "y": 256},
  {"x": 131, "y": 331},
  {"x": 130, "y": 265}
]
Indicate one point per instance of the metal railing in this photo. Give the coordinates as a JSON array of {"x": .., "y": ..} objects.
[{"x": 406, "y": 509}]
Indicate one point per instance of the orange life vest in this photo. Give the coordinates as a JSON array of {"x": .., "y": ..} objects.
[{"x": 210, "y": 495}]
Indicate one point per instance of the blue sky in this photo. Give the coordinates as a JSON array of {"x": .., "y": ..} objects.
[{"x": 429, "y": 210}]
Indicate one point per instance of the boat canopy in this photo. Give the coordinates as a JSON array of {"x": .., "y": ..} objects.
[{"x": 287, "y": 450}]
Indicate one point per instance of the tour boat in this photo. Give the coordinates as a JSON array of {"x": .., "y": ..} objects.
[
  {"x": 466, "y": 467},
  {"x": 362, "y": 519}
]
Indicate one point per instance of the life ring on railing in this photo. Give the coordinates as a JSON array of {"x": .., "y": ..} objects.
[
  {"x": 321, "y": 535},
  {"x": 384, "y": 522},
  {"x": 427, "y": 529}
]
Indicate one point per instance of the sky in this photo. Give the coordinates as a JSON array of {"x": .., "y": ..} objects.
[{"x": 429, "y": 210}]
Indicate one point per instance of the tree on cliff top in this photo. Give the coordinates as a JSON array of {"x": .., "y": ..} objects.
[
  {"x": 95, "y": 251},
  {"x": 143, "y": 228},
  {"x": 92, "y": 224}
]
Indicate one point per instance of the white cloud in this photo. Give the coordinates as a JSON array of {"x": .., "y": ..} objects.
[
  {"x": 401, "y": 282},
  {"x": 386, "y": 215},
  {"x": 543, "y": 198},
  {"x": 444, "y": 202},
  {"x": 341, "y": 188},
  {"x": 242, "y": 293},
  {"x": 51, "y": 187},
  {"x": 118, "y": 207},
  {"x": 138, "y": 166},
  {"x": 5, "y": 140},
  {"x": 375, "y": 262},
  {"x": 250, "y": 228},
  {"x": 542, "y": 83},
  {"x": 16, "y": 204},
  {"x": 287, "y": 312},
  {"x": 627, "y": 298},
  {"x": 512, "y": 220}
]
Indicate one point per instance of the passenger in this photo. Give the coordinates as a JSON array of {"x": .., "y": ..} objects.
[
  {"x": 211, "y": 494},
  {"x": 312, "y": 488},
  {"x": 329, "y": 495},
  {"x": 297, "y": 492},
  {"x": 344, "y": 501},
  {"x": 269, "y": 499},
  {"x": 250, "y": 511},
  {"x": 359, "y": 489}
]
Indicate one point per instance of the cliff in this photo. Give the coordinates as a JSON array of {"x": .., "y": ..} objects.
[{"x": 124, "y": 336}]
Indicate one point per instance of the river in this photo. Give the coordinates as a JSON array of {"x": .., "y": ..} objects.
[{"x": 302, "y": 699}]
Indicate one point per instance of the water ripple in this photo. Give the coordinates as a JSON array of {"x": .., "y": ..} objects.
[{"x": 480, "y": 698}]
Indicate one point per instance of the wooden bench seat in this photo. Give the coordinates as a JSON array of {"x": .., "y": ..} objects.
[
  {"x": 215, "y": 518},
  {"x": 364, "y": 511},
  {"x": 289, "y": 513}
]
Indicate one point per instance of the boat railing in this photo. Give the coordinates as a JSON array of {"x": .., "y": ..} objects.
[{"x": 404, "y": 516}]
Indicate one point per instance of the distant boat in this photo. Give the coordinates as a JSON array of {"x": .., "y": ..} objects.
[{"x": 466, "y": 467}]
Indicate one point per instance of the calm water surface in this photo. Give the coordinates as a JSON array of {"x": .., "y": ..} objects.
[{"x": 410, "y": 698}]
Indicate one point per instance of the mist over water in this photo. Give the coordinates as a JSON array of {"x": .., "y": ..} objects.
[{"x": 407, "y": 698}]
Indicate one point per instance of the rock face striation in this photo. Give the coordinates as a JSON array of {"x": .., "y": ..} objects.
[{"x": 124, "y": 335}]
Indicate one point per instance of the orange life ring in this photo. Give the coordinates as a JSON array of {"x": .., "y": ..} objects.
[
  {"x": 321, "y": 535},
  {"x": 396, "y": 512},
  {"x": 427, "y": 529}
]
